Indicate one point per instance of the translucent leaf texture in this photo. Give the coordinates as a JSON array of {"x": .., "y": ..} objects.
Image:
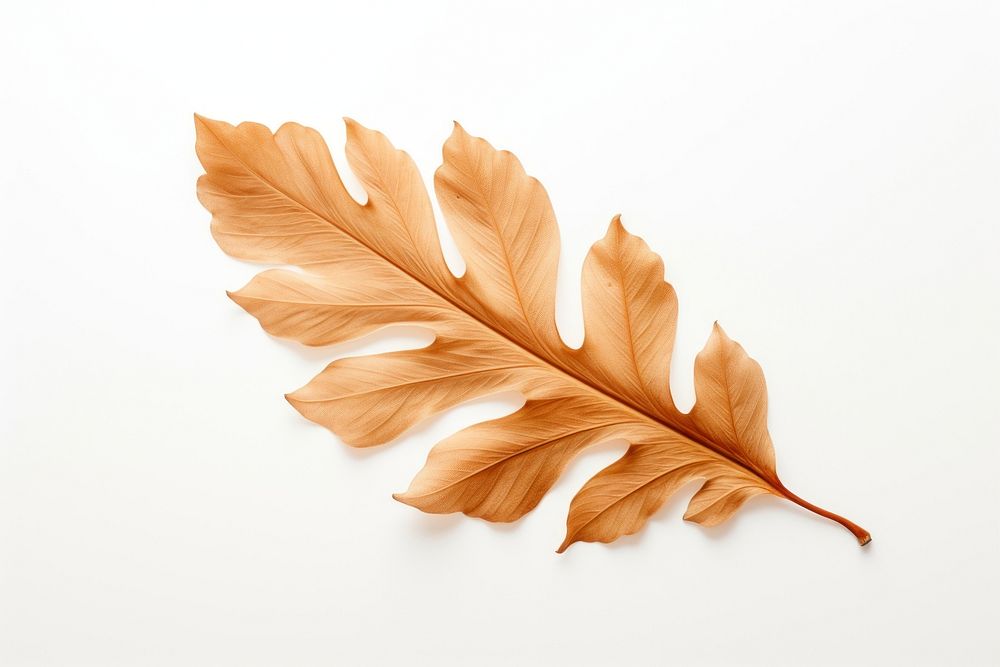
[{"x": 278, "y": 199}]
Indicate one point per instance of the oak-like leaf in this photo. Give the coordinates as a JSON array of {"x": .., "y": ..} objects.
[{"x": 278, "y": 199}]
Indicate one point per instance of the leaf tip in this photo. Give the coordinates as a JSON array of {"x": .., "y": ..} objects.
[
  {"x": 457, "y": 131},
  {"x": 203, "y": 121},
  {"x": 353, "y": 126},
  {"x": 240, "y": 300},
  {"x": 616, "y": 231}
]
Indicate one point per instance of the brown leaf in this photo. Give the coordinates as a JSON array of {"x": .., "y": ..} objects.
[
  {"x": 278, "y": 199},
  {"x": 630, "y": 315}
]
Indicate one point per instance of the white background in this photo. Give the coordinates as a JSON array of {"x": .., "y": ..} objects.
[{"x": 822, "y": 178}]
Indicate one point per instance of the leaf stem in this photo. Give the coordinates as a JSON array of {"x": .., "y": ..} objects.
[{"x": 864, "y": 537}]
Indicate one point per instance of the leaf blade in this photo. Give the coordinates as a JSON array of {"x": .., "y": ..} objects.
[
  {"x": 505, "y": 228},
  {"x": 630, "y": 319},
  {"x": 731, "y": 402},
  {"x": 373, "y": 399},
  {"x": 522, "y": 455}
]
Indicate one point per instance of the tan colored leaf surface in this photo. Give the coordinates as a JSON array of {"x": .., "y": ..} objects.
[
  {"x": 630, "y": 315},
  {"x": 278, "y": 199}
]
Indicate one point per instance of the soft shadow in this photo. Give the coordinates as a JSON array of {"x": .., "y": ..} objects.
[
  {"x": 508, "y": 527},
  {"x": 360, "y": 453},
  {"x": 431, "y": 525}
]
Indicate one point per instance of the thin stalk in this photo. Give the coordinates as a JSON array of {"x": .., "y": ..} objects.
[{"x": 864, "y": 537}]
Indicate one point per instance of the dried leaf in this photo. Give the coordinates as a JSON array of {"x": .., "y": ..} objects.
[{"x": 278, "y": 199}]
